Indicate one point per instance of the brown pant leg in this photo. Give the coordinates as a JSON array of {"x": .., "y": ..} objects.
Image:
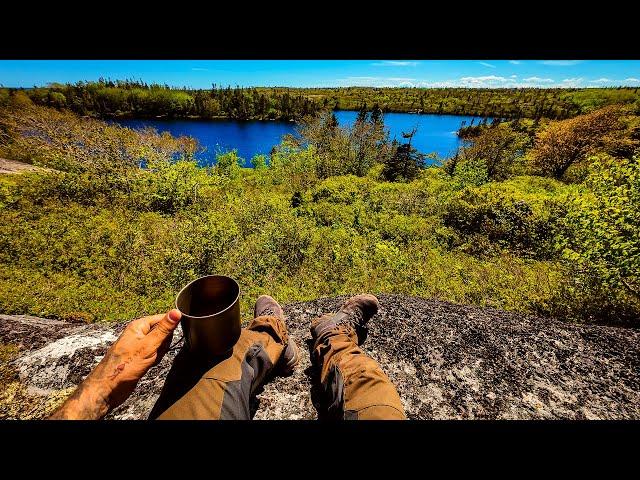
[
  {"x": 222, "y": 388},
  {"x": 355, "y": 386}
]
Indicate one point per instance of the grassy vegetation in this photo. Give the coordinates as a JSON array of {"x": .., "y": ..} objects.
[{"x": 106, "y": 240}]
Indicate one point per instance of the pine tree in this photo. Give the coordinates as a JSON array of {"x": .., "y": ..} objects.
[
  {"x": 404, "y": 165},
  {"x": 333, "y": 121},
  {"x": 362, "y": 114},
  {"x": 376, "y": 114}
]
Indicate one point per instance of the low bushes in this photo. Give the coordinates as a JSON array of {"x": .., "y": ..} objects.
[
  {"x": 104, "y": 245},
  {"x": 488, "y": 218}
]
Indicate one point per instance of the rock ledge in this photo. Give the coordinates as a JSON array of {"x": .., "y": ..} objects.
[{"x": 447, "y": 361}]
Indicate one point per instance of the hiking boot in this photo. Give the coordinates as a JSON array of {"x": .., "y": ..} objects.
[
  {"x": 267, "y": 306},
  {"x": 355, "y": 312}
]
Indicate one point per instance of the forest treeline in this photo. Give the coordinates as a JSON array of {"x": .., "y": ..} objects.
[
  {"x": 137, "y": 99},
  {"x": 511, "y": 103}
]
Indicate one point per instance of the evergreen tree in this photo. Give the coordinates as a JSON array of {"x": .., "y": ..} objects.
[
  {"x": 376, "y": 114},
  {"x": 332, "y": 123},
  {"x": 362, "y": 114},
  {"x": 404, "y": 165}
]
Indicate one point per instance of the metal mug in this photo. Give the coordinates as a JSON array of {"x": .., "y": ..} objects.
[{"x": 210, "y": 307}]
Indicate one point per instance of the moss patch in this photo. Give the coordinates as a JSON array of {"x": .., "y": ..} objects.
[{"x": 16, "y": 402}]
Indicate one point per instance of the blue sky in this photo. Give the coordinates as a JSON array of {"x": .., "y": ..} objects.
[{"x": 330, "y": 73}]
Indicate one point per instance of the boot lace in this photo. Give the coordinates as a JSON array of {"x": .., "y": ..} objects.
[
  {"x": 269, "y": 311},
  {"x": 355, "y": 318}
]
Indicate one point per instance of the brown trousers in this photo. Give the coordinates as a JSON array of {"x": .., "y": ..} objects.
[
  {"x": 223, "y": 388},
  {"x": 355, "y": 387}
]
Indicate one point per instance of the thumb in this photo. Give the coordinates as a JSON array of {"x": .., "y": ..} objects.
[{"x": 165, "y": 327}]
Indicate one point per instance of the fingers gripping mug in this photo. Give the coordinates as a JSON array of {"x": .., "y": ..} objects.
[{"x": 210, "y": 307}]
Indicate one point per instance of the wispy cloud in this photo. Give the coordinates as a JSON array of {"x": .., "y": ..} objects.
[
  {"x": 561, "y": 63},
  {"x": 483, "y": 79},
  {"x": 360, "y": 78},
  {"x": 490, "y": 65},
  {"x": 198, "y": 69},
  {"x": 538, "y": 80},
  {"x": 394, "y": 63},
  {"x": 495, "y": 81},
  {"x": 515, "y": 62},
  {"x": 572, "y": 82},
  {"x": 366, "y": 81}
]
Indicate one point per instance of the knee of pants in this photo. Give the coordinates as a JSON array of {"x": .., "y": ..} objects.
[{"x": 271, "y": 325}]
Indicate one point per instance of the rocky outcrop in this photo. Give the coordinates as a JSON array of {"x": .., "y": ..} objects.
[
  {"x": 447, "y": 361},
  {"x": 13, "y": 166}
]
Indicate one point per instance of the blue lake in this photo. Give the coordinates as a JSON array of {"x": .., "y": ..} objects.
[{"x": 436, "y": 133}]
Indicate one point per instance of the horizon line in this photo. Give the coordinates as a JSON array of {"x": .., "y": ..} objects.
[{"x": 184, "y": 87}]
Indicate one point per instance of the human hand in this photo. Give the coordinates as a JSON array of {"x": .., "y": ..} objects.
[{"x": 141, "y": 345}]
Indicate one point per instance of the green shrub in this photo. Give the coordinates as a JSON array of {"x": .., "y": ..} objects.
[
  {"x": 341, "y": 190},
  {"x": 471, "y": 173},
  {"x": 228, "y": 164},
  {"x": 603, "y": 244},
  {"x": 507, "y": 217},
  {"x": 259, "y": 162},
  {"x": 293, "y": 166}
]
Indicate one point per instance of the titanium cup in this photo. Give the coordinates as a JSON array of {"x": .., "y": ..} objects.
[{"x": 210, "y": 309}]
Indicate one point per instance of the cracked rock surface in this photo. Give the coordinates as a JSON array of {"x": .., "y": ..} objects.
[{"x": 447, "y": 361}]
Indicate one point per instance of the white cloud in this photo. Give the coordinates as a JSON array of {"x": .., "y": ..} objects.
[
  {"x": 537, "y": 80},
  {"x": 481, "y": 81},
  {"x": 487, "y": 64},
  {"x": 442, "y": 84},
  {"x": 572, "y": 82},
  {"x": 515, "y": 62},
  {"x": 494, "y": 81},
  {"x": 360, "y": 81},
  {"x": 561, "y": 63},
  {"x": 394, "y": 63},
  {"x": 485, "y": 78},
  {"x": 376, "y": 82},
  {"x": 198, "y": 69},
  {"x": 366, "y": 81}
]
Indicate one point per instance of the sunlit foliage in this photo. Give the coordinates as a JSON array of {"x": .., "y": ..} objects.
[{"x": 96, "y": 242}]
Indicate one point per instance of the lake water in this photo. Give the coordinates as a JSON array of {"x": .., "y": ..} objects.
[{"x": 436, "y": 133}]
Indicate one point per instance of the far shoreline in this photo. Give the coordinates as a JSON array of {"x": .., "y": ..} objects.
[{"x": 197, "y": 118}]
